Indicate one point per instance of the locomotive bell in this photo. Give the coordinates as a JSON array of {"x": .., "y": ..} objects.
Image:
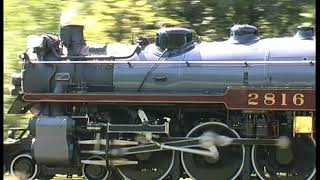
[
  {"x": 241, "y": 34},
  {"x": 174, "y": 38},
  {"x": 305, "y": 32}
]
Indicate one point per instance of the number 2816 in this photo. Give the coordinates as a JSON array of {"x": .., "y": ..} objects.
[{"x": 269, "y": 99}]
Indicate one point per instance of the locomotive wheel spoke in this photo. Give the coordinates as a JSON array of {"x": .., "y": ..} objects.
[
  {"x": 94, "y": 171},
  {"x": 295, "y": 162},
  {"x": 228, "y": 163}
]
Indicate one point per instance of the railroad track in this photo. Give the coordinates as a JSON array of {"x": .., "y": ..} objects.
[{"x": 61, "y": 177}]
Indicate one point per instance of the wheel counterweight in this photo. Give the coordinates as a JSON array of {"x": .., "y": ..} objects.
[
  {"x": 227, "y": 166},
  {"x": 295, "y": 162}
]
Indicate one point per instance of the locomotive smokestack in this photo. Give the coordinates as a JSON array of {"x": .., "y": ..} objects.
[
  {"x": 71, "y": 32},
  {"x": 72, "y": 38}
]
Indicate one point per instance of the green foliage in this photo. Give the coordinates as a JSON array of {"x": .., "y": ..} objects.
[
  {"x": 108, "y": 21},
  {"x": 213, "y": 18}
]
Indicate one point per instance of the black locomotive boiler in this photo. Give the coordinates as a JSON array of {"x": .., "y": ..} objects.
[{"x": 175, "y": 108}]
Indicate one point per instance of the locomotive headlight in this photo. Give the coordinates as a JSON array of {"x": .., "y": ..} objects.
[
  {"x": 34, "y": 41},
  {"x": 302, "y": 124}
]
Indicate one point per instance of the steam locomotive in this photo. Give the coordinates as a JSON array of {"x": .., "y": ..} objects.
[{"x": 243, "y": 108}]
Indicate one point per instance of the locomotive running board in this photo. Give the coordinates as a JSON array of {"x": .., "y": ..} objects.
[{"x": 234, "y": 98}]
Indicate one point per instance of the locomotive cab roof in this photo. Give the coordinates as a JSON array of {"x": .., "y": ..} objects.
[{"x": 174, "y": 38}]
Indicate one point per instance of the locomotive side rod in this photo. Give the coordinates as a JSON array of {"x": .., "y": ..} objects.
[
  {"x": 184, "y": 145},
  {"x": 282, "y": 141},
  {"x": 210, "y": 138},
  {"x": 205, "y": 140}
]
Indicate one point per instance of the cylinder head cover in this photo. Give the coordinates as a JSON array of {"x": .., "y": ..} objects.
[{"x": 52, "y": 145}]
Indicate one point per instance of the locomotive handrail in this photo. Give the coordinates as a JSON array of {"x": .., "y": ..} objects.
[{"x": 246, "y": 63}]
